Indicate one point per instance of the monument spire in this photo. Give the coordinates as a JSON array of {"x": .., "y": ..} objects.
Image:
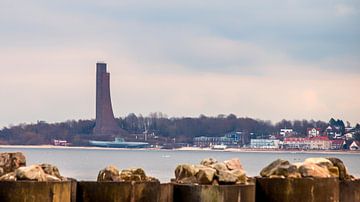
[{"x": 105, "y": 120}]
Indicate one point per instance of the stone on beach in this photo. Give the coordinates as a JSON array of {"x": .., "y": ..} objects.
[
  {"x": 133, "y": 174},
  {"x": 219, "y": 167},
  {"x": 226, "y": 177},
  {"x": 208, "y": 162},
  {"x": 110, "y": 173},
  {"x": 212, "y": 172},
  {"x": 343, "y": 173},
  {"x": 205, "y": 175},
  {"x": 272, "y": 167},
  {"x": 33, "y": 172},
  {"x": 233, "y": 164},
  {"x": 9, "y": 162},
  {"x": 184, "y": 171},
  {"x": 51, "y": 170},
  {"x": 8, "y": 177},
  {"x": 323, "y": 162},
  {"x": 314, "y": 170}
]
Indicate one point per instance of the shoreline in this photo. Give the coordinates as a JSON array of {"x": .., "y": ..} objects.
[{"x": 247, "y": 150}]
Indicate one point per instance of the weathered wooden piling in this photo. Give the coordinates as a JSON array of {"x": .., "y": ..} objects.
[
  {"x": 349, "y": 190},
  {"x": 218, "y": 193},
  {"x": 118, "y": 191},
  {"x": 33, "y": 191},
  {"x": 297, "y": 189},
  {"x": 166, "y": 192}
]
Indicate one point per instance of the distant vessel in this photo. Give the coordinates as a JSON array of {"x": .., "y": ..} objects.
[
  {"x": 219, "y": 147},
  {"x": 119, "y": 143}
]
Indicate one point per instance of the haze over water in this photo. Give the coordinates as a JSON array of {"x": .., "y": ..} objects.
[{"x": 84, "y": 164}]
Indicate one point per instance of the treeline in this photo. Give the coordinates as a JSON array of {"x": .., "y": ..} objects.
[{"x": 183, "y": 129}]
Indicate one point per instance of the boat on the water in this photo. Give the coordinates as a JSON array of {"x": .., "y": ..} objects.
[{"x": 118, "y": 143}]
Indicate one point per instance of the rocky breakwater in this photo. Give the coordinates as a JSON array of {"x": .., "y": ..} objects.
[
  {"x": 40, "y": 182},
  {"x": 120, "y": 185},
  {"x": 315, "y": 179},
  {"x": 213, "y": 181}
]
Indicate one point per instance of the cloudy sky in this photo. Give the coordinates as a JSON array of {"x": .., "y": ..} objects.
[{"x": 293, "y": 59}]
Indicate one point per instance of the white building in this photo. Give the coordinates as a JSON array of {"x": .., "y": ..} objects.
[
  {"x": 286, "y": 132},
  {"x": 264, "y": 144}
]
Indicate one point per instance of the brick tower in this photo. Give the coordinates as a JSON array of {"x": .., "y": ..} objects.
[{"x": 105, "y": 121}]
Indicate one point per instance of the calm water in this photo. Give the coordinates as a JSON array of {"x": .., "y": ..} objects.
[{"x": 84, "y": 164}]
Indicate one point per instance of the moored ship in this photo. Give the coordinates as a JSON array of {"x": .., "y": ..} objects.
[{"x": 118, "y": 143}]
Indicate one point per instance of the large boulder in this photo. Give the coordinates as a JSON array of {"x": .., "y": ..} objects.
[
  {"x": 205, "y": 175},
  {"x": 8, "y": 177},
  {"x": 219, "y": 167},
  {"x": 33, "y": 172},
  {"x": 233, "y": 164},
  {"x": 185, "y": 171},
  {"x": 208, "y": 162},
  {"x": 240, "y": 175},
  {"x": 314, "y": 170},
  {"x": 226, "y": 177},
  {"x": 272, "y": 167},
  {"x": 110, "y": 173},
  {"x": 286, "y": 170},
  {"x": 133, "y": 174},
  {"x": 343, "y": 173},
  {"x": 51, "y": 170},
  {"x": 9, "y": 162},
  {"x": 319, "y": 161}
]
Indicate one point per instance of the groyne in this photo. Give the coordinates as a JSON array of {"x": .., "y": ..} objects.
[
  {"x": 319, "y": 190},
  {"x": 315, "y": 180}
]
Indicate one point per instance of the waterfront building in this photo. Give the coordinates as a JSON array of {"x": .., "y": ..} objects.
[
  {"x": 295, "y": 143},
  {"x": 337, "y": 144},
  {"x": 355, "y": 145},
  {"x": 264, "y": 144},
  {"x": 314, "y": 143},
  {"x": 313, "y": 132},
  {"x": 232, "y": 139},
  {"x": 319, "y": 143},
  {"x": 286, "y": 132},
  {"x": 333, "y": 132}
]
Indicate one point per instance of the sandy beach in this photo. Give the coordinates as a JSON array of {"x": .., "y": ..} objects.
[{"x": 248, "y": 150}]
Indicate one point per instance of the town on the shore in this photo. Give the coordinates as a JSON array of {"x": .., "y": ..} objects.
[{"x": 332, "y": 137}]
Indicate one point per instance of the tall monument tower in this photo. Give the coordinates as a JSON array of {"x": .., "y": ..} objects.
[{"x": 105, "y": 121}]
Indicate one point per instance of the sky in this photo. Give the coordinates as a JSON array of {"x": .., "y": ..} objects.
[{"x": 269, "y": 60}]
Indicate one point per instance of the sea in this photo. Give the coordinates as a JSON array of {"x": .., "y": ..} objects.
[{"x": 85, "y": 163}]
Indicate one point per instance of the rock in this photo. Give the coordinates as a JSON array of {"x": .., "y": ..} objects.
[
  {"x": 205, "y": 175},
  {"x": 294, "y": 175},
  {"x": 51, "y": 170},
  {"x": 313, "y": 170},
  {"x": 184, "y": 171},
  {"x": 219, "y": 167},
  {"x": 319, "y": 161},
  {"x": 110, "y": 173},
  {"x": 334, "y": 171},
  {"x": 133, "y": 174},
  {"x": 33, "y": 172},
  {"x": 51, "y": 178},
  {"x": 343, "y": 173},
  {"x": 226, "y": 177},
  {"x": 188, "y": 180},
  {"x": 272, "y": 167},
  {"x": 8, "y": 177},
  {"x": 233, "y": 164},
  {"x": 286, "y": 170},
  {"x": 208, "y": 162},
  {"x": 9, "y": 162},
  {"x": 240, "y": 175}
]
